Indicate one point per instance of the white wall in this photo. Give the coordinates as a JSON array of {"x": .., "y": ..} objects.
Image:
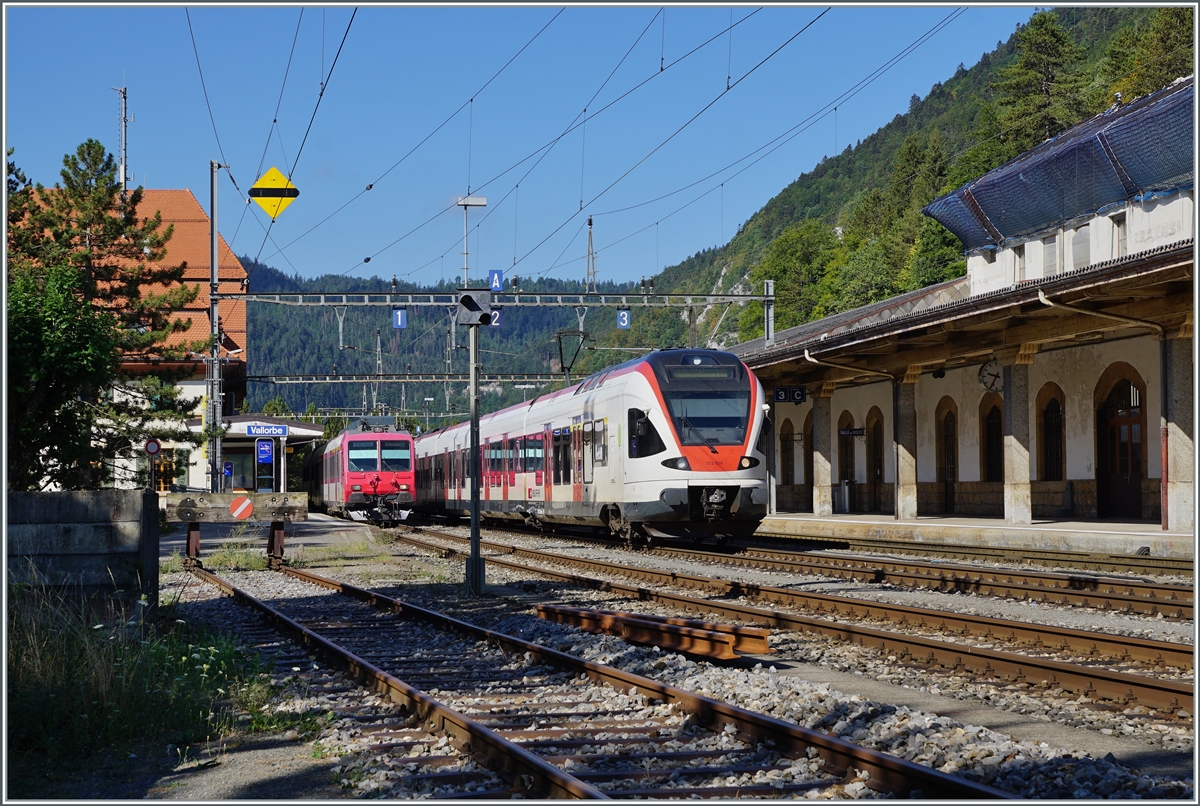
[{"x": 1148, "y": 224}]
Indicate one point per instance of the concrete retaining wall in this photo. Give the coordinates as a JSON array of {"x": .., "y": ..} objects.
[{"x": 103, "y": 541}]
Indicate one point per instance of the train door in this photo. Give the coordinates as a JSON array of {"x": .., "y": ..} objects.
[
  {"x": 505, "y": 466},
  {"x": 547, "y": 463},
  {"x": 576, "y": 461},
  {"x": 485, "y": 474},
  {"x": 447, "y": 475},
  {"x": 588, "y": 436}
]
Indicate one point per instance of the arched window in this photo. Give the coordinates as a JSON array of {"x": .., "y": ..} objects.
[
  {"x": 991, "y": 437},
  {"x": 946, "y": 449},
  {"x": 1053, "y": 456},
  {"x": 787, "y": 453},
  {"x": 1050, "y": 409},
  {"x": 845, "y": 447}
]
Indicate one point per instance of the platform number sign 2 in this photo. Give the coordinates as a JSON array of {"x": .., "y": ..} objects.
[{"x": 622, "y": 319}]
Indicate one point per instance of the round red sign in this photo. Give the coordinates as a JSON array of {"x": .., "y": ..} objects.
[
  {"x": 241, "y": 508},
  {"x": 153, "y": 446}
]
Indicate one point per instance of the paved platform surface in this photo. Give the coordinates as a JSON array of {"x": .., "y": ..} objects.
[{"x": 1113, "y": 537}]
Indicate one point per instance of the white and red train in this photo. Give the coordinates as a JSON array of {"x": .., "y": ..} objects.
[
  {"x": 363, "y": 475},
  {"x": 667, "y": 445}
]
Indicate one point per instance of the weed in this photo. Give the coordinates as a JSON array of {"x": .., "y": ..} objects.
[
  {"x": 172, "y": 564},
  {"x": 238, "y": 555},
  {"x": 78, "y": 682}
]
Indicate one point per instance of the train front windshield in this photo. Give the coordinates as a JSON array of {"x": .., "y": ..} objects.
[
  {"x": 397, "y": 456},
  {"x": 710, "y": 417},
  {"x": 708, "y": 401}
]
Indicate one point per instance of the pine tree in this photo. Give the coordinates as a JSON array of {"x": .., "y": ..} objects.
[
  {"x": 1042, "y": 93},
  {"x": 1147, "y": 58},
  {"x": 88, "y": 290}
]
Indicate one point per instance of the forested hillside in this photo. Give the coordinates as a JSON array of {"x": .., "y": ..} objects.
[{"x": 847, "y": 233}]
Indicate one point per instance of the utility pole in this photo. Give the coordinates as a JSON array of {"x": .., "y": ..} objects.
[
  {"x": 474, "y": 310},
  {"x": 590, "y": 283},
  {"x": 214, "y": 360}
]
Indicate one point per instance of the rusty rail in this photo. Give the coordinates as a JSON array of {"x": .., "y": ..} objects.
[
  {"x": 1096, "y": 683},
  {"x": 684, "y": 635}
]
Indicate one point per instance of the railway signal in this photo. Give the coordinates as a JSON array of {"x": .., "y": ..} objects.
[{"x": 274, "y": 192}]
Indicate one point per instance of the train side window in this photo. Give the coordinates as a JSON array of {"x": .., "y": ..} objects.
[
  {"x": 643, "y": 436},
  {"x": 533, "y": 454}
]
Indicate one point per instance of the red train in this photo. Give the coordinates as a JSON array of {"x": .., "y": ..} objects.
[{"x": 363, "y": 475}]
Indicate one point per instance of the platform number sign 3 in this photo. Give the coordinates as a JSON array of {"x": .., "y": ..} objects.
[{"x": 622, "y": 319}]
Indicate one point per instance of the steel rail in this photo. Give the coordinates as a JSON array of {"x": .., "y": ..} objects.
[
  {"x": 1104, "y": 592},
  {"x": 486, "y": 746},
  {"x": 1137, "y": 564},
  {"x": 1097, "y": 683},
  {"x": 887, "y": 772}
]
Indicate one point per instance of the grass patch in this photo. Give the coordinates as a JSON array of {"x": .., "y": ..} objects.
[
  {"x": 306, "y": 556},
  {"x": 79, "y": 682},
  {"x": 238, "y": 555},
  {"x": 172, "y": 564}
]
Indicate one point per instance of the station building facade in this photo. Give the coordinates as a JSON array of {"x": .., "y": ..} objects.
[
  {"x": 1054, "y": 380},
  {"x": 190, "y": 244}
]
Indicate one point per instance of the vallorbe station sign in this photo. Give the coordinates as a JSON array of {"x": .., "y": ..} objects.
[{"x": 267, "y": 430}]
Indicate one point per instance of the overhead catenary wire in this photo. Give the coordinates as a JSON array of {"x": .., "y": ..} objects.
[
  {"x": 517, "y": 164},
  {"x": 674, "y": 134},
  {"x": 311, "y": 119},
  {"x": 425, "y": 139}
]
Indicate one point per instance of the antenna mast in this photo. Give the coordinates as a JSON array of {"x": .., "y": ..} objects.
[{"x": 123, "y": 142}]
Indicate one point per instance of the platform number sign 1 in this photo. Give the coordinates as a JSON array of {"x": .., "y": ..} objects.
[
  {"x": 622, "y": 319},
  {"x": 399, "y": 317}
]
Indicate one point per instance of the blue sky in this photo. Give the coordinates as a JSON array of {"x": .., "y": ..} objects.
[{"x": 404, "y": 71}]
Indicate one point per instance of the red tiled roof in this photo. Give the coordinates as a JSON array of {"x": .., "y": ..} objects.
[{"x": 190, "y": 243}]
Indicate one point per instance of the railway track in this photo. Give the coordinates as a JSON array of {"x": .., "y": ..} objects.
[
  {"x": 1084, "y": 561},
  {"x": 1106, "y": 593},
  {"x": 547, "y": 724},
  {"x": 1094, "y": 680}
]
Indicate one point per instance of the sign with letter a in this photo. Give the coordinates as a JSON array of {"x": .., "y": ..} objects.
[{"x": 495, "y": 280}]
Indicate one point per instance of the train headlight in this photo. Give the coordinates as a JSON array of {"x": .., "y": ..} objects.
[
  {"x": 403, "y": 486},
  {"x": 747, "y": 462},
  {"x": 679, "y": 463},
  {"x": 356, "y": 488}
]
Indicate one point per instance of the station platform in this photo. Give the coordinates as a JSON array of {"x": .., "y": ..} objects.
[{"x": 1096, "y": 536}]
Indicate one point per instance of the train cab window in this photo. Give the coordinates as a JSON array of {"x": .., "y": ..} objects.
[
  {"x": 397, "y": 456},
  {"x": 643, "y": 436},
  {"x": 363, "y": 456}
]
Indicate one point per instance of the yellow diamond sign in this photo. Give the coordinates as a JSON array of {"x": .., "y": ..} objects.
[{"x": 273, "y": 192}]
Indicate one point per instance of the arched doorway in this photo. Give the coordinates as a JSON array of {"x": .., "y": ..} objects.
[
  {"x": 874, "y": 435},
  {"x": 946, "y": 450},
  {"x": 787, "y": 454},
  {"x": 845, "y": 457},
  {"x": 1121, "y": 467}
]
